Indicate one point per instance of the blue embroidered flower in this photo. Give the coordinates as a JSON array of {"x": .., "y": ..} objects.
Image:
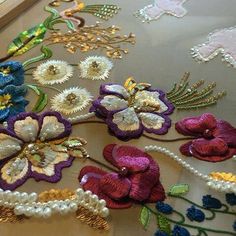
[
  {"x": 12, "y": 101},
  {"x": 195, "y": 214},
  {"x": 230, "y": 199},
  {"x": 164, "y": 208},
  {"x": 234, "y": 226},
  {"x": 160, "y": 233},
  {"x": 210, "y": 202},
  {"x": 11, "y": 72},
  {"x": 180, "y": 231}
]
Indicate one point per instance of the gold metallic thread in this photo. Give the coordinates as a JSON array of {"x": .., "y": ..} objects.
[{"x": 56, "y": 194}]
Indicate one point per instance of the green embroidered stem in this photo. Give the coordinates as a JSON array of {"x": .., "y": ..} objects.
[
  {"x": 45, "y": 86},
  {"x": 179, "y": 92},
  {"x": 198, "y": 228},
  {"x": 213, "y": 211},
  {"x": 172, "y": 90}
]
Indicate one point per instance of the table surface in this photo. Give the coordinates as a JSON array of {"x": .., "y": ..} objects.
[{"x": 160, "y": 57}]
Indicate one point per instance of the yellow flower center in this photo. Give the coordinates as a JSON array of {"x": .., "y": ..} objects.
[
  {"x": 5, "y": 101},
  {"x": 5, "y": 71}
]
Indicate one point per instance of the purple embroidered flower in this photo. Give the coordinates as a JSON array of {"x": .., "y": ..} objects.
[
  {"x": 164, "y": 208},
  {"x": 230, "y": 199},
  {"x": 210, "y": 202},
  {"x": 180, "y": 231},
  {"x": 195, "y": 214},
  {"x": 160, "y": 233},
  {"x": 131, "y": 109},
  {"x": 215, "y": 139},
  {"x": 36, "y": 147}
]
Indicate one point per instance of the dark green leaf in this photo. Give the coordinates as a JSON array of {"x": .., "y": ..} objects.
[
  {"x": 42, "y": 99},
  {"x": 179, "y": 189},
  {"x": 26, "y": 40},
  {"x": 163, "y": 224},
  {"x": 145, "y": 217}
]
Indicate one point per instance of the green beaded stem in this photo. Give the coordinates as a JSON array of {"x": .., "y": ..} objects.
[
  {"x": 200, "y": 230},
  {"x": 180, "y": 91},
  {"x": 172, "y": 90}
]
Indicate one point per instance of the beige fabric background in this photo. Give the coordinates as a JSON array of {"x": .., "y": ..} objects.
[{"x": 160, "y": 56}]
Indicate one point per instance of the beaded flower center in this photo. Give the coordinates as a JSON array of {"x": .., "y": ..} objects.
[
  {"x": 52, "y": 70},
  {"x": 94, "y": 69},
  {"x": 71, "y": 98},
  {"x": 5, "y": 101}
]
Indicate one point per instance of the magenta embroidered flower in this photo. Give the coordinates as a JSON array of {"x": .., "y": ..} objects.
[
  {"x": 36, "y": 147},
  {"x": 136, "y": 179},
  {"x": 133, "y": 108},
  {"x": 215, "y": 139}
]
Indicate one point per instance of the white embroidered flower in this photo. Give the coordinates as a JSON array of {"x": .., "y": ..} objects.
[
  {"x": 53, "y": 72},
  {"x": 95, "y": 68},
  {"x": 71, "y": 100}
]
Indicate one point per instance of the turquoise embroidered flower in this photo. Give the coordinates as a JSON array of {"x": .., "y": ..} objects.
[
  {"x": 12, "y": 101},
  {"x": 195, "y": 214},
  {"x": 11, "y": 72}
]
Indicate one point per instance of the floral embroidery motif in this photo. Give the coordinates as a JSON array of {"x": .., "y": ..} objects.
[
  {"x": 160, "y": 7},
  {"x": 136, "y": 179},
  {"x": 53, "y": 72},
  {"x": 12, "y": 101},
  {"x": 11, "y": 72},
  {"x": 133, "y": 108},
  {"x": 195, "y": 214},
  {"x": 36, "y": 147},
  {"x": 95, "y": 68},
  {"x": 215, "y": 139},
  {"x": 71, "y": 100},
  {"x": 220, "y": 41}
]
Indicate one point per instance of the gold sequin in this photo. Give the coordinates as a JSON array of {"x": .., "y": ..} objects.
[
  {"x": 223, "y": 176},
  {"x": 56, "y": 194},
  {"x": 7, "y": 216}
]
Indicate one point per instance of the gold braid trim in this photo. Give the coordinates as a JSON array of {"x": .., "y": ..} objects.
[{"x": 7, "y": 215}]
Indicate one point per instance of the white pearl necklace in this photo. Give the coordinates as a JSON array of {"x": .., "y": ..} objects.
[
  {"x": 81, "y": 117},
  {"x": 222, "y": 186},
  {"x": 26, "y": 204}
]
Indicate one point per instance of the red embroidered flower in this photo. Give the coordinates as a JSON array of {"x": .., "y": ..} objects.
[
  {"x": 215, "y": 139},
  {"x": 136, "y": 179}
]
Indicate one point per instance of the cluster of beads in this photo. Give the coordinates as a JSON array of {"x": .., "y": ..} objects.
[
  {"x": 219, "y": 185},
  {"x": 81, "y": 117},
  {"x": 27, "y": 204}
]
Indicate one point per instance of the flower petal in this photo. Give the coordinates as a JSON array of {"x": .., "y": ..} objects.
[
  {"x": 214, "y": 150},
  {"x": 4, "y": 113},
  {"x": 89, "y": 178},
  {"x": 125, "y": 124},
  {"x": 195, "y": 126},
  {"x": 9, "y": 144},
  {"x": 155, "y": 123},
  {"x": 114, "y": 89},
  {"x": 115, "y": 186},
  {"x": 134, "y": 164},
  {"x": 14, "y": 173},
  {"x": 25, "y": 126},
  {"x": 157, "y": 193},
  {"x": 54, "y": 126}
]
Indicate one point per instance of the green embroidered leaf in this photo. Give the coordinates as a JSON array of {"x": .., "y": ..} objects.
[
  {"x": 46, "y": 53},
  {"x": 54, "y": 15},
  {"x": 179, "y": 189},
  {"x": 42, "y": 99},
  {"x": 26, "y": 40},
  {"x": 163, "y": 224},
  {"x": 145, "y": 217}
]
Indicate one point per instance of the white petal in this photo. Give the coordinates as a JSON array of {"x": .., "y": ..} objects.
[
  {"x": 8, "y": 145},
  {"x": 126, "y": 120},
  {"x": 111, "y": 103},
  {"x": 144, "y": 99},
  {"x": 51, "y": 128},
  {"x": 117, "y": 89},
  {"x": 27, "y": 129},
  {"x": 151, "y": 121}
]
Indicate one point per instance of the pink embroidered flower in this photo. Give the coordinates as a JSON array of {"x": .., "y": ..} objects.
[
  {"x": 36, "y": 146},
  {"x": 136, "y": 179},
  {"x": 215, "y": 139}
]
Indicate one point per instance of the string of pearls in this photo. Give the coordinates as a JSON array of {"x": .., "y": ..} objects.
[
  {"x": 222, "y": 186},
  {"x": 81, "y": 117},
  {"x": 26, "y": 204}
]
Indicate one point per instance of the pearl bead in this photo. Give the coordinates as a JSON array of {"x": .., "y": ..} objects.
[
  {"x": 102, "y": 203},
  {"x": 29, "y": 211},
  {"x": 19, "y": 210},
  {"x": 24, "y": 197},
  {"x": 16, "y": 196},
  {"x": 38, "y": 212},
  {"x": 73, "y": 207},
  {"x": 47, "y": 212},
  {"x": 104, "y": 212},
  {"x": 33, "y": 197}
]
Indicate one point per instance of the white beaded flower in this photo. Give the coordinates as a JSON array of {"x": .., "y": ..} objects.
[
  {"x": 95, "y": 68},
  {"x": 71, "y": 100},
  {"x": 53, "y": 72}
]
